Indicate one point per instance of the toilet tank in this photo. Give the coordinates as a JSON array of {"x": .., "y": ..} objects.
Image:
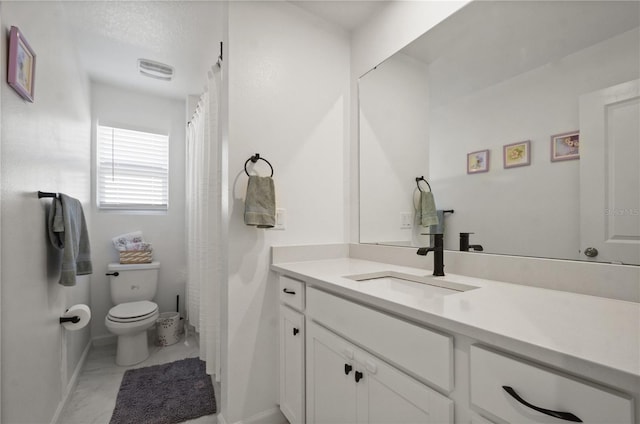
[{"x": 134, "y": 282}]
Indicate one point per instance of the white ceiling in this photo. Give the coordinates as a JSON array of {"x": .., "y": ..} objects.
[{"x": 111, "y": 36}]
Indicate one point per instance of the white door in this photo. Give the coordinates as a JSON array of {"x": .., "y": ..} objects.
[
  {"x": 610, "y": 174},
  {"x": 331, "y": 390},
  {"x": 292, "y": 365}
]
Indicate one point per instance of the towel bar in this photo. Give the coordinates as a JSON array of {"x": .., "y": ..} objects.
[
  {"x": 255, "y": 159},
  {"x": 42, "y": 194},
  {"x": 418, "y": 179}
]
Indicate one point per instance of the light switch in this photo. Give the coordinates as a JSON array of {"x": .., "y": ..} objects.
[{"x": 406, "y": 220}]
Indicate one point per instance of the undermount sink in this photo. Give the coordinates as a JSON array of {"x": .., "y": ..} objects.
[{"x": 437, "y": 286}]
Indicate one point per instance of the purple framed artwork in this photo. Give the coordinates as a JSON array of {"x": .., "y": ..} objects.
[
  {"x": 22, "y": 65},
  {"x": 516, "y": 154},
  {"x": 478, "y": 162},
  {"x": 565, "y": 146}
]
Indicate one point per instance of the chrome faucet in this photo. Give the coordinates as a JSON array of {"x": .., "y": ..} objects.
[
  {"x": 465, "y": 246},
  {"x": 438, "y": 254}
]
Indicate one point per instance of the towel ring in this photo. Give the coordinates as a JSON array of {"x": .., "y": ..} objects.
[
  {"x": 255, "y": 159},
  {"x": 418, "y": 179}
]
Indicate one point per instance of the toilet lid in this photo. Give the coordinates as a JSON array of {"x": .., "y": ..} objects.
[{"x": 131, "y": 310}]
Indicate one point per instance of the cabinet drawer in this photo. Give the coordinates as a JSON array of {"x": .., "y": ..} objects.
[
  {"x": 542, "y": 388},
  {"x": 292, "y": 292},
  {"x": 421, "y": 352}
]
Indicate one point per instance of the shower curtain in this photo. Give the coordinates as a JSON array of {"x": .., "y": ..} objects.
[{"x": 203, "y": 206}]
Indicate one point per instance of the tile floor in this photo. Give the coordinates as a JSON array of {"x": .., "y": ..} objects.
[{"x": 94, "y": 398}]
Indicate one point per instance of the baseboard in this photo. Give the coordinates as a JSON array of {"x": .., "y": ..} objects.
[
  {"x": 270, "y": 416},
  {"x": 106, "y": 340},
  {"x": 73, "y": 382}
]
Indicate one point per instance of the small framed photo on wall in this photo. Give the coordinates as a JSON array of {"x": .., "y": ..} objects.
[
  {"x": 478, "y": 162},
  {"x": 565, "y": 146},
  {"x": 516, "y": 154},
  {"x": 22, "y": 65}
]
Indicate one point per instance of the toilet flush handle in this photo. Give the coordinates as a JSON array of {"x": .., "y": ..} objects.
[{"x": 115, "y": 274}]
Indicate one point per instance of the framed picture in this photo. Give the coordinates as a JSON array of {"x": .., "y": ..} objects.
[
  {"x": 22, "y": 65},
  {"x": 565, "y": 146},
  {"x": 516, "y": 154},
  {"x": 478, "y": 162}
]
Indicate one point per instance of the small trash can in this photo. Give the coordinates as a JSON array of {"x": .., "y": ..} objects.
[{"x": 168, "y": 328}]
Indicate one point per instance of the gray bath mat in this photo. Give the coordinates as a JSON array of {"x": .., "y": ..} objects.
[{"x": 165, "y": 394}]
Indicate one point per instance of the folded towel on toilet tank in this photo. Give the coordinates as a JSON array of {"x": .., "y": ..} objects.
[{"x": 131, "y": 241}]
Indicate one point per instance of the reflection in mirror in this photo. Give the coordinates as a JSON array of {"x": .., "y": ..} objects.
[{"x": 494, "y": 74}]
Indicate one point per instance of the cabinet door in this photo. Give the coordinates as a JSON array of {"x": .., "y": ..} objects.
[
  {"x": 331, "y": 390},
  {"x": 292, "y": 365},
  {"x": 386, "y": 395},
  {"x": 368, "y": 390}
]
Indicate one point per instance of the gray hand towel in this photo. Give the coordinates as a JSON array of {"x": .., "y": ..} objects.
[
  {"x": 427, "y": 210},
  {"x": 68, "y": 233},
  {"x": 260, "y": 202}
]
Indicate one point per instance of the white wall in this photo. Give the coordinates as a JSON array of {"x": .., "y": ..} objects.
[
  {"x": 45, "y": 146},
  {"x": 116, "y": 106},
  {"x": 531, "y": 106},
  {"x": 394, "y": 148},
  {"x": 288, "y": 100}
]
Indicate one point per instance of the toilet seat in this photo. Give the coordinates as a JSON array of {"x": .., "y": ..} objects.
[{"x": 132, "y": 311}]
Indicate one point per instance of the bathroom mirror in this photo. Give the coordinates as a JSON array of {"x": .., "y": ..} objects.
[{"x": 491, "y": 75}]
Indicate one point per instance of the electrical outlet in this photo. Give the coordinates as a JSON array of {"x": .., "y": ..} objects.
[
  {"x": 406, "y": 220},
  {"x": 280, "y": 219}
]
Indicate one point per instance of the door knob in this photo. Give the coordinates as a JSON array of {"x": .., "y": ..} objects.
[
  {"x": 591, "y": 252},
  {"x": 359, "y": 376},
  {"x": 295, "y": 331}
]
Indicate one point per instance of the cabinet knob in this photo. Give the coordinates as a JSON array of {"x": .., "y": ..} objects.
[
  {"x": 347, "y": 369},
  {"x": 359, "y": 376},
  {"x": 295, "y": 331}
]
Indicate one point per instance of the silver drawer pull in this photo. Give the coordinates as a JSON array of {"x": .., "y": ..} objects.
[{"x": 567, "y": 416}]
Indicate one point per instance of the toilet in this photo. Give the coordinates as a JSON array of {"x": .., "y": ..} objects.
[{"x": 133, "y": 288}]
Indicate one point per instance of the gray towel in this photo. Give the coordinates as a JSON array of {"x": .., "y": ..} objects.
[
  {"x": 260, "y": 202},
  {"x": 427, "y": 211},
  {"x": 68, "y": 233}
]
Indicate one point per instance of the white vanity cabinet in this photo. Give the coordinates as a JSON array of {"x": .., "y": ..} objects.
[
  {"x": 292, "y": 352},
  {"x": 360, "y": 362},
  {"x": 346, "y": 384},
  {"x": 350, "y": 384}
]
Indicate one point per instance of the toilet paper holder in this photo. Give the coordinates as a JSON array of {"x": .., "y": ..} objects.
[{"x": 74, "y": 319}]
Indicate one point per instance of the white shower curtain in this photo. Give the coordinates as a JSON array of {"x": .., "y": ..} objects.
[{"x": 203, "y": 205}]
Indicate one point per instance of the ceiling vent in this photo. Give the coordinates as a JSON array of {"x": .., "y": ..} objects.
[{"x": 156, "y": 70}]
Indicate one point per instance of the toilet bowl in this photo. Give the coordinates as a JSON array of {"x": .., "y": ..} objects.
[{"x": 130, "y": 322}]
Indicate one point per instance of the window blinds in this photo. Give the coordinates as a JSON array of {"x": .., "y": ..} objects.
[{"x": 133, "y": 169}]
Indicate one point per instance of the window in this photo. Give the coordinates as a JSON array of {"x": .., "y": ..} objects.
[{"x": 133, "y": 169}]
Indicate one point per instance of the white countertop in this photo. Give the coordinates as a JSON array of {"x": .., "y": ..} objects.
[{"x": 600, "y": 331}]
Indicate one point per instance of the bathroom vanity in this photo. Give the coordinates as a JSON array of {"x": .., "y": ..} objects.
[{"x": 364, "y": 341}]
